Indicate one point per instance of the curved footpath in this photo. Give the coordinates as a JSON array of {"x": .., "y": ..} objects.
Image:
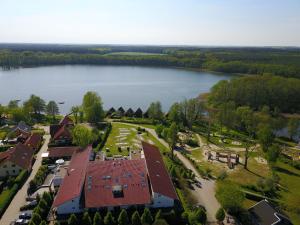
[
  {"x": 206, "y": 194},
  {"x": 19, "y": 200}
]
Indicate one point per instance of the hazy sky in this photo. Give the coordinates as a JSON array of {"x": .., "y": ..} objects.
[{"x": 181, "y": 22}]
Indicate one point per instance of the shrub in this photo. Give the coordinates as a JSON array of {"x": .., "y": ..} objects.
[
  {"x": 230, "y": 196},
  {"x": 220, "y": 215}
]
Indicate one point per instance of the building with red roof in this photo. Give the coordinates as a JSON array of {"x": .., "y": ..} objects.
[
  {"x": 116, "y": 183},
  {"x": 163, "y": 191},
  {"x": 34, "y": 141},
  {"x": 68, "y": 198},
  {"x": 16, "y": 159},
  {"x": 62, "y": 152},
  {"x": 60, "y": 133}
]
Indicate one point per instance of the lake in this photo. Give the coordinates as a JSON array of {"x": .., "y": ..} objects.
[{"x": 127, "y": 86}]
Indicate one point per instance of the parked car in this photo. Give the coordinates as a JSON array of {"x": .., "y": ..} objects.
[
  {"x": 21, "y": 222},
  {"x": 25, "y": 215},
  {"x": 31, "y": 203}
]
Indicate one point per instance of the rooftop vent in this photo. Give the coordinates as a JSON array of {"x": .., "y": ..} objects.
[{"x": 117, "y": 191}]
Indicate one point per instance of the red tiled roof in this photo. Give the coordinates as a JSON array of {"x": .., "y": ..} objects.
[
  {"x": 53, "y": 129},
  {"x": 57, "y": 152},
  {"x": 129, "y": 175},
  {"x": 63, "y": 131},
  {"x": 20, "y": 155},
  {"x": 66, "y": 121},
  {"x": 159, "y": 177},
  {"x": 72, "y": 184},
  {"x": 34, "y": 140}
]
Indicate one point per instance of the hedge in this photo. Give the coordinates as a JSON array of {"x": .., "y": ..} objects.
[
  {"x": 105, "y": 136},
  {"x": 7, "y": 195}
]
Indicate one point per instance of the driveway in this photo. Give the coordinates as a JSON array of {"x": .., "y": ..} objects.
[
  {"x": 19, "y": 200},
  {"x": 205, "y": 195}
]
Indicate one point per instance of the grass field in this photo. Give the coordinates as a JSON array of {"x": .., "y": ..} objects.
[
  {"x": 130, "y": 139},
  {"x": 290, "y": 194},
  {"x": 133, "y": 53}
]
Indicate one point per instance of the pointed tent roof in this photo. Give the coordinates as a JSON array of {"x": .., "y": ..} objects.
[
  {"x": 121, "y": 110},
  {"x": 129, "y": 112},
  {"x": 138, "y": 113}
]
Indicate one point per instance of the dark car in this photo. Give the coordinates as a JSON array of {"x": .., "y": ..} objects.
[{"x": 25, "y": 215}]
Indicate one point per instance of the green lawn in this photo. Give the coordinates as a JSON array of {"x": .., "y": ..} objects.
[
  {"x": 114, "y": 138},
  {"x": 290, "y": 194}
]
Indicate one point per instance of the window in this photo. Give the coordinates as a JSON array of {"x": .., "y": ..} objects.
[
  {"x": 14, "y": 171},
  {"x": 13, "y": 165},
  {"x": 5, "y": 166}
]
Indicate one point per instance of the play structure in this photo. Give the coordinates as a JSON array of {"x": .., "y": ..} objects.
[{"x": 230, "y": 158}]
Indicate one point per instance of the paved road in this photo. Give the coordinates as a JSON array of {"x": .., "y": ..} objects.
[
  {"x": 206, "y": 194},
  {"x": 12, "y": 211}
]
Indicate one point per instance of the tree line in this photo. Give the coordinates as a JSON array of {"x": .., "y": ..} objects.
[{"x": 282, "y": 62}]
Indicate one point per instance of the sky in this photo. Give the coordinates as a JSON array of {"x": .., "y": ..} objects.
[{"x": 152, "y": 22}]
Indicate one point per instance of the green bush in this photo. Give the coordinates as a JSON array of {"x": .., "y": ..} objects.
[
  {"x": 6, "y": 197},
  {"x": 38, "y": 179}
]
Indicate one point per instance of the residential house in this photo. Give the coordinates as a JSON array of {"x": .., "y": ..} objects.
[
  {"x": 263, "y": 213},
  {"x": 163, "y": 191},
  {"x": 61, "y": 133},
  {"x": 34, "y": 141},
  {"x": 69, "y": 194},
  {"x": 16, "y": 159}
]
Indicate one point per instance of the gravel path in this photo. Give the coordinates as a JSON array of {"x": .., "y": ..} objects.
[{"x": 205, "y": 195}]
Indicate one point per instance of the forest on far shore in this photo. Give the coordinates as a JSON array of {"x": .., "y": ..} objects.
[{"x": 242, "y": 60}]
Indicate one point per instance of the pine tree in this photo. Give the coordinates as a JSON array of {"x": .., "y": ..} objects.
[
  {"x": 147, "y": 217},
  {"x": 158, "y": 215},
  {"x": 98, "y": 219},
  {"x": 123, "y": 218},
  {"x": 86, "y": 219},
  {"x": 109, "y": 219},
  {"x": 135, "y": 218},
  {"x": 72, "y": 220},
  {"x": 36, "y": 218}
]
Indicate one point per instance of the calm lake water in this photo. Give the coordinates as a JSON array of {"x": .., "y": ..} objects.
[{"x": 127, "y": 86}]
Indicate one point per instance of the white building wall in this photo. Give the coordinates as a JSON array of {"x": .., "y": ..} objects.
[
  {"x": 161, "y": 201},
  {"x": 72, "y": 206},
  {"x": 9, "y": 169}
]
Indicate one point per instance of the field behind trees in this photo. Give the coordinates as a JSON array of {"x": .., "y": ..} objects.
[{"x": 275, "y": 61}]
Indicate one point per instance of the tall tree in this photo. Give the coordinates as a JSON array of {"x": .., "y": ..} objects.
[
  {"x": 82, "y": 136},
  {"x": 155, "y": 111},
  {"x": 35, "y": 104},
  {"x": 52, "y": 109},
  {"x": 174, "y": 114},
  {"x": 265, "y": 136},
  {"x": 13, "y": 104},
  {"x": 172, "y": 137},
  {"x": 92, "y": 107},
  {"x": 75, "y": 110}
]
